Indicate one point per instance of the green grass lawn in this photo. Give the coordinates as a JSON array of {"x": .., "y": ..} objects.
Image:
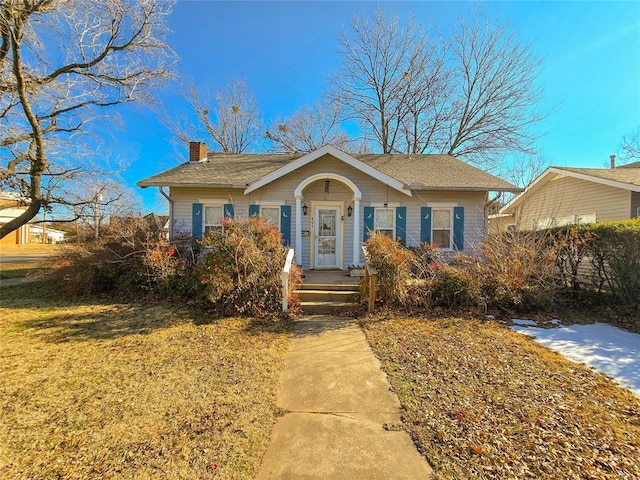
[
  {"x": 484, "y": 402},
  {"x": 92, "y": 389}
]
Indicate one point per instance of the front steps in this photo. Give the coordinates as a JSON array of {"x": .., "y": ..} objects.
[{"x": 328, "y": 298}]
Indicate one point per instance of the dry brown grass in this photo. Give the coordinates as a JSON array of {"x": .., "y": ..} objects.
[
  {"x": 100, "y": 390},
  {"x": 482, "y": 401}
]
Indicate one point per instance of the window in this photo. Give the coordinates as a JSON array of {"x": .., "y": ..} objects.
[
  {"x": 384, "y": 218},
  {"x": 271, "y": 215},
  {"x": 586, "y": 218},
  {"x": 213, "y": 219},
  {"x": 441, "y": 228}
]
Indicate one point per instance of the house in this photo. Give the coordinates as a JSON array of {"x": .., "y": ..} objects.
[
  {"x": 326, "y": 202},
  {"x": 52, "y": 235},
  {"x": 12, "y": 206},
  {"x": 563, "y": 195}
]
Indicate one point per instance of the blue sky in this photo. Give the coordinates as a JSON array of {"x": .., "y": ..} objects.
[{"x": 284, "y": 51}]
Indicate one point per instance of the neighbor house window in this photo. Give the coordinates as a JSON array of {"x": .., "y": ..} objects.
[
  {"x": 271, "y": 215},
  {"x": 384, "y": 218},
  {"x": 441, "y": 228},
  {"x": 213, "y": 219}
]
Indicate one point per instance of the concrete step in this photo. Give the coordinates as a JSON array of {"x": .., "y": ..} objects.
[
  {"x": 339, "y": 296},
  {"x": 327, "y": 307},
  {"x": 344, "y": 287}
]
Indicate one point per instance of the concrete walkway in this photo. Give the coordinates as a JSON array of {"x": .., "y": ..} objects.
[{"x": 342, "y": 420}]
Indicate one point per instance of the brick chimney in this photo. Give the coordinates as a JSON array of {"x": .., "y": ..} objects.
[
  {"x": 197, "y": 151},
  {"x": 613, "y": 161}
]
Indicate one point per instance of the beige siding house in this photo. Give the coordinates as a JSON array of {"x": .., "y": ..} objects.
[
  {"x": 562, "y": 196},
  {"x": 327, "y": 202}
]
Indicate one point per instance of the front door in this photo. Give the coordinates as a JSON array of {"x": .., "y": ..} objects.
[{"x": 327, "y": 236}]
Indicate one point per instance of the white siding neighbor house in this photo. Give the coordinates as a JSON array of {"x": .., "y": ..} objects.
[
  {"x": 326, "y": 202},
  {"x": 561, "y": 196}
]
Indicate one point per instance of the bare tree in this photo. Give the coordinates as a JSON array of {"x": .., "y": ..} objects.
[
  {"x": 473, "y": 96},
  {"x": 63, "y": 63},
  {"x": 630, "y": 147},
  {"x": 309, "y": 129},
  {"x": 372, "y": 83},
  {"x": 495, "y": 93},
  {"x": 232, "y": 119}
]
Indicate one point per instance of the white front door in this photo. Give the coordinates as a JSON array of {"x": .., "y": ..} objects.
[{"x": 327, "y": 236}]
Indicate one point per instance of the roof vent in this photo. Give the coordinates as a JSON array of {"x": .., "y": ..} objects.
[
  {"x": 197, "y": 151},
  {"x": 613, "y": 161}
]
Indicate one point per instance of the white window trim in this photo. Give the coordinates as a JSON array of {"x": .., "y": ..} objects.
[
  {"x": 393, "y": 216},
  {"x": 272, "y": 205},
  {"x": 204, "y": 214},
  {"x": 441, "y": 206},
  {"x": 385, "y": 204}
]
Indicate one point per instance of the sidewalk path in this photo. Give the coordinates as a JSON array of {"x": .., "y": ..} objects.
[{"x": 342, "y": 421}]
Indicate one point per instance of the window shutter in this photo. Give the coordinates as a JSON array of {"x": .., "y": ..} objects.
[
  {"x": 254, "y": 210},
  {"x": 228, "y": 210},
  {"x": 458, "y": 228},
  {"x": 369, "y": 213},
  {"x": 196, "y": 220},
  {"x": 401, "y": 224},
  {"x": 285, "y": 224},
  {"x": 425, "y": 225}
]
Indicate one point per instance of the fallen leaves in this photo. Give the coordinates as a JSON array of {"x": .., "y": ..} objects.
[{"x": 482, "y": 401}]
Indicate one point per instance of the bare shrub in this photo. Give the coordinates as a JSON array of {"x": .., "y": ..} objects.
[
  {"x": 242, "y": 269},
  {"x": 393, "y": 263}
]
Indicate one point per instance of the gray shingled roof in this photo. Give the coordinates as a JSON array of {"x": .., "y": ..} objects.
[
  {"x": 625, "y": 174},
  {"x": 417, "y": 172}
]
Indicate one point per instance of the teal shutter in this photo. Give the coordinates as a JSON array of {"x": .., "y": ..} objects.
[
  {"x": 254, "y": 210},
  {"x": 197, "y": 220},
  {"x": 458, "y": 228},
  {"x": 228, "y": 210},
  {"x": 369, "y": 213},
  {"x": 401, "y": 225},
  {"x": 285, "y": 224},
  {"x": 425, "y": 225}
]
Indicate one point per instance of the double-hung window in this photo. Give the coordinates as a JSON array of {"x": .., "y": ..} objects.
[
  {"x": 213, "y": 216},
  {"x": 441, "y": 228},
  {"x": 271, "y": 215},
  {"x": 384, "y": 222}
]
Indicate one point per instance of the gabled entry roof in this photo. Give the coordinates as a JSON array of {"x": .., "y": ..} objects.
[
  {"x": 334, "y": 152},
  {"x": 400, "y": 171}
]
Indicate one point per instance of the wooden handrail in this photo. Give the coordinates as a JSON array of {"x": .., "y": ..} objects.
[
  {"x": 285, "y": 280},
  {"x": 370, "y": 274}
]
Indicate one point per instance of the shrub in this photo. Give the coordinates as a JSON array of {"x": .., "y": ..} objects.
[
  {"x": 614, "y": 249},
  {"x": 241, "y": 270},
  {"x": 455, "y": 287},
  {"x": 392, "y": 262},
  {"x": 519, "y": 271}
]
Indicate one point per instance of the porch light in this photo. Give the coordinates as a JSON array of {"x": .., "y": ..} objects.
[
  {"x": 304, "y": 209},
  {"x": 349, "y": 210}
]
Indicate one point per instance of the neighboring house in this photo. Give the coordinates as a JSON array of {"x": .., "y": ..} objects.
[
  {"x": 562, "y": 195},
  {"x": 53, "y": 235},
  {"x": 326, "y": 202},
  {"x": 12, "y": 206}
]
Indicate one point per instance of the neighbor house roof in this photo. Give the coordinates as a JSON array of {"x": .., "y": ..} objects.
[
  {"x": 250, "y": 171},
  {"x": 626, "y": 177}
]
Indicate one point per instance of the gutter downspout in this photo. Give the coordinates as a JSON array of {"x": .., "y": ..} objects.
[{"x": 170, "y": 200}]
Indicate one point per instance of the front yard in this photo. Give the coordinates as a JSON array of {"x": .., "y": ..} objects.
[
  {"x": 482, "y": 401},
  {"x": 100, "y": 390}
]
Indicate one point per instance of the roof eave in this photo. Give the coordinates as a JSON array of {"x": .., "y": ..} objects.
[{"x": 143, "y": 184}]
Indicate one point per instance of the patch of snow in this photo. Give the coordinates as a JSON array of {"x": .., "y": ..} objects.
[
  {"x": 525, "y": 323},
  {"x": 605, "y": 348},
  {"x": 554, "y": 321}
]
